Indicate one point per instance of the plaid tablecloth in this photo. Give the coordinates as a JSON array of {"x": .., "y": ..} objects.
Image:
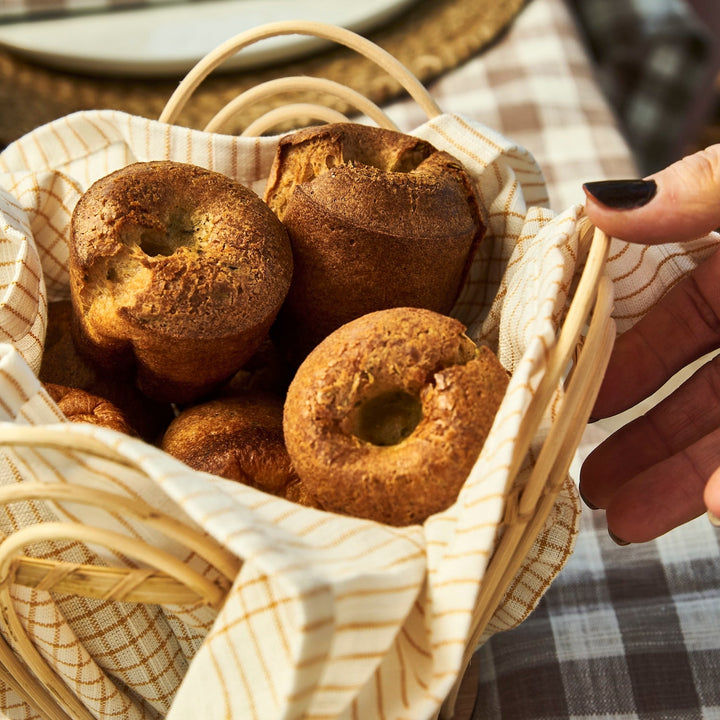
[
  {"x": 569, "y": 75},
  {"x": 623, "y": 633}
]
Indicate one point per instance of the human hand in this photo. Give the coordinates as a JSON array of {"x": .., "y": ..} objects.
[{"x": 662, "y": 469}]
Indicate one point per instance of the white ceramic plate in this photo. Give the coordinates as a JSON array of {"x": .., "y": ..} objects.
[{"x": 169, "y": 39}]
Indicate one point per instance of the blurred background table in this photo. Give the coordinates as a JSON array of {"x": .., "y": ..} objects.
[{"x": 594, "y": 89}]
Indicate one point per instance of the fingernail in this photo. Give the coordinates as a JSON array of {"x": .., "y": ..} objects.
[
  {"x": 616, "y": 539},
  {"x": 714, "y": 519},
  {"x": 622, "y": 194},
  {"x": 586, "y": 501}
]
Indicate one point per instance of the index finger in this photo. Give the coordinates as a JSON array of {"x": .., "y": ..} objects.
[{"x": 683, "y": 205}]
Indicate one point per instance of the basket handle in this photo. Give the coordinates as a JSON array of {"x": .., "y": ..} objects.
[
  {"x": 341, "y": 36},
  {"x": 168, "y": 580},
  {"x": 565, "y": 348},
  {"x": 280, "y": 85},
  {"x": 202, "y": 544},
  {"x": 292, "y": 111}
]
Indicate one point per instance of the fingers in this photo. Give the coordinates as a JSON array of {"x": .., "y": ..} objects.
[
  {"x": 682, "y": 327},
  {"x": 665, "y": 496},
  {"x": 651, "y": 475},
  {"x": 678, "y": 203},
  {"x": 664, "y": 468},
  {"x": 640, "y": 507}
]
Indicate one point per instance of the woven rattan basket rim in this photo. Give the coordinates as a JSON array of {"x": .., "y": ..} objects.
[{"x": 430, "y": 38}]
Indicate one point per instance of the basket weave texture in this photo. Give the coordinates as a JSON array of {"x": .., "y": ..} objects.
[{"x": 297, "y": 613}]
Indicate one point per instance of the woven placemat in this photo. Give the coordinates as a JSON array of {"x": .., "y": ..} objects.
[{"x": 430, "y": 38}]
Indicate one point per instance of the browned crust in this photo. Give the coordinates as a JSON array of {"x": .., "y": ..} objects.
[
  {"x": 376, "y": 219},
  {"x": 310, "y": 153},
  {"x": 238, "y": 438},
  {"x": 178, "y": 269},
  {"x": 80, "y": 406},
  {"x": 417, "y": 352}
]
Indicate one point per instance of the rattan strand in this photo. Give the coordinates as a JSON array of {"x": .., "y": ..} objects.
[
  {"x": 392, "y": 67},
  {"x": 305, "y": 113},
  {"x": 201, "y": 543},
  {"x": 224, "y": 119},
  {"x": 68, "y": 702}
]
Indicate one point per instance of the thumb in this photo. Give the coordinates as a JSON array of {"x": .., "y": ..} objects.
[{"x": 681, "y": 202}]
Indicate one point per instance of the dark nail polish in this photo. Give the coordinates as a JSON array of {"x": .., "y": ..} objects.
[
  {"x": 622, "y": 194},
  {"x": 617, "y": 540}
]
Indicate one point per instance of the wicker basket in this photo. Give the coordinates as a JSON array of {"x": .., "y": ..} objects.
[{"x": 577, "y": 360}]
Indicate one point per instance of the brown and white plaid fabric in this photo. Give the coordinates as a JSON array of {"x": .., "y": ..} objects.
[{"x": 624, "y": 633}]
